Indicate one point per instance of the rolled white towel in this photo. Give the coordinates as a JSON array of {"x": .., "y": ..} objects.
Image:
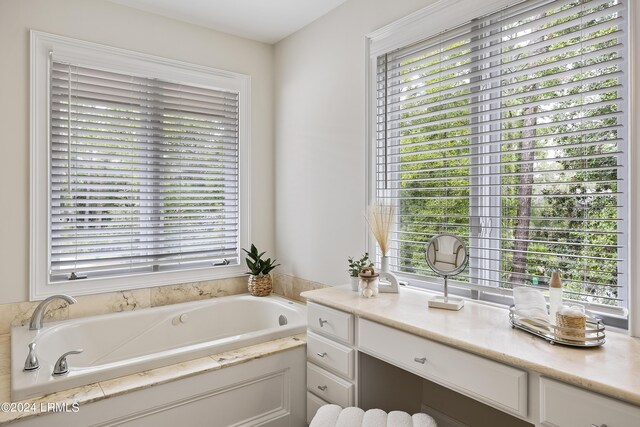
[
  {"x": 423, "y": 420},
  {"x": 374, "y": 418},
  {"x": 529, "y": 302},
  {"x": 350, "y": 417},
  {"x": 399, "y": 419},
  {"x": 326, "y": 416}
]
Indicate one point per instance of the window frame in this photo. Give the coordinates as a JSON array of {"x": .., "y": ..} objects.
[
  {"x": 118, "y": 60},
  {"x": 445, "y": 15}
]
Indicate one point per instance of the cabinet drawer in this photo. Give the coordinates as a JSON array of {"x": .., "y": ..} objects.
[
  {"x": 313, "y": 404},
  {"x": 562, "y": 405},
  {"x": 330, "y": 355},
  {"x": 496, "y": 384},
  {"x": 330, "y": 322},
  {"x": 328, "y": 386}
]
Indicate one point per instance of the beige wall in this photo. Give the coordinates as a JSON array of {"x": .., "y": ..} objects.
[
  {"x": 320, "y": 138},
  {"x": 114, "y": 25}
]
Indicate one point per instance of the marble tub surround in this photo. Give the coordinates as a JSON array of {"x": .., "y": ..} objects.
[
  {"x": 104, "y": 389},
  {"x": 18, "y": 314},
  {"x": 174, "y": 294},
  {"x": 613, "y": 369},
  {"x": 291, "y": 287},
  {"x": 111, "y": 302},
  {"x": 5, "y": 354}
]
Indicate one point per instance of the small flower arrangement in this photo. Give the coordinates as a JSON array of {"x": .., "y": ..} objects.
[{"x": 356, "y": 265}]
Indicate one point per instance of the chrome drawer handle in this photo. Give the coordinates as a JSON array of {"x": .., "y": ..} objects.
[
  {"x": 322, "y": 322},
  {"x": 324, "y": 387},
  {"x": 601, "y": 425},
  {"x": 421, "y": 360},
  {"x": 322, "y": 354}
]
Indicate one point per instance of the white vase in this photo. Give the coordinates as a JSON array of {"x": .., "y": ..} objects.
[
  {"x": 355, "y": 281},
  {"x": 387, "y": 276},
  {"x": 384, "y": 263}
]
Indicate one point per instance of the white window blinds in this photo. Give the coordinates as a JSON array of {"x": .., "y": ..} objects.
[
  {"x": 143, "y": 174},
  {"x": 510, "y": 131}
]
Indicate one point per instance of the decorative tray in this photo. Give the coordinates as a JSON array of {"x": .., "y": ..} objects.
[{"x": 591, "y": 336}]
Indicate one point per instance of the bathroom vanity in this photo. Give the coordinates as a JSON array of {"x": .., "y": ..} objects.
[{"x": 473, "y": 352}]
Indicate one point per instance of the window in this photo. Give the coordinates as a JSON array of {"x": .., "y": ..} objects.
[
  {"x": 511, "y": 132},
  {"x": 143, "y": 183}
]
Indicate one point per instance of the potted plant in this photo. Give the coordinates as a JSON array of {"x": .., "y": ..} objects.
[
  {"x": 260, "y": 282},
  {"x": 355, "y": 267}
]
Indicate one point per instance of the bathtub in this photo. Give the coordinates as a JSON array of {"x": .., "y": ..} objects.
[{"x": 120, "y": 344}]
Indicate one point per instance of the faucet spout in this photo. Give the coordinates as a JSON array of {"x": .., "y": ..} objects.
[{"x": 38, "y": 315}]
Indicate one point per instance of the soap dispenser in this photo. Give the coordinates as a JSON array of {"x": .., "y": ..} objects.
[{"x": 555, "y": 296}]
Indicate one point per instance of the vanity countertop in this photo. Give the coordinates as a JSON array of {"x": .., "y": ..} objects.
[
  {"x": 109, "y": 388},
  {"x": 612, "y": 369}
]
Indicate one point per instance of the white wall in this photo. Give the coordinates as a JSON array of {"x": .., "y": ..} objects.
[
  {"x": 320, "y": 138},
  {"x": 634, "y": 146},
  {"x": 114, "y": 25}
]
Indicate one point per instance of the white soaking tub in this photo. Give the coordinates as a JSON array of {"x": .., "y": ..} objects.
[{"x": 119, "y": 344}]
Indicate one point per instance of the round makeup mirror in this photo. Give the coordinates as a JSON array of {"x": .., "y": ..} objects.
[{"x": 447, "y": 255}]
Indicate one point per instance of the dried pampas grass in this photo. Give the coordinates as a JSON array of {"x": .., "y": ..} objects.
[{"x": 380, "y": 218}]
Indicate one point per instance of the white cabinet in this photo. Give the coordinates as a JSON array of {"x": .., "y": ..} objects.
[
  {"x": 334, "y": 324},
  {"x": 331, "y": 356},
  {"x": 328, "y": 386},
  {"x": 335, "y": 338},
  {"x": 345, "y": 349},
  {"x": 491, "y": 382},
  {"x": 562, "y": 405}
]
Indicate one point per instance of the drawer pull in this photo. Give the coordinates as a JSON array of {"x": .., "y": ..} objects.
[
  {"x": 324, "y": 387},
  {"x": 601, "y": 425},
  {"x": 322, "y": 322},
  {"x": 323, "y": 354},
  {"x": 421, "y": 360}
]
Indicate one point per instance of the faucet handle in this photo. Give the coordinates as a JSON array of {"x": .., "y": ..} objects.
[
  {"x": 31, "y": 364},
  {"x": 61, "y": 367}
]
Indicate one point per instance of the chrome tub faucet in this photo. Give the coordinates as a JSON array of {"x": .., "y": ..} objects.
[
  {"x": 32, "y": 363},
  {"x": 38, "y": 315}
]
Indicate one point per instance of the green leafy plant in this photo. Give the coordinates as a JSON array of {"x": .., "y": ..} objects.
[
  {"x": 355, "y": 266},
  {"x": 257, "y": 265}
]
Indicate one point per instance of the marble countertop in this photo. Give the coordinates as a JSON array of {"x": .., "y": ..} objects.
[
  {"x": 105, "y": 389},
  {"x": 612, "y": 369}
]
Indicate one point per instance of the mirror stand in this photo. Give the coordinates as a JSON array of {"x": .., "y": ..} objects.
[
  {"x": 446, "y": 302},
  {"x": 446, "y": 254}
]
